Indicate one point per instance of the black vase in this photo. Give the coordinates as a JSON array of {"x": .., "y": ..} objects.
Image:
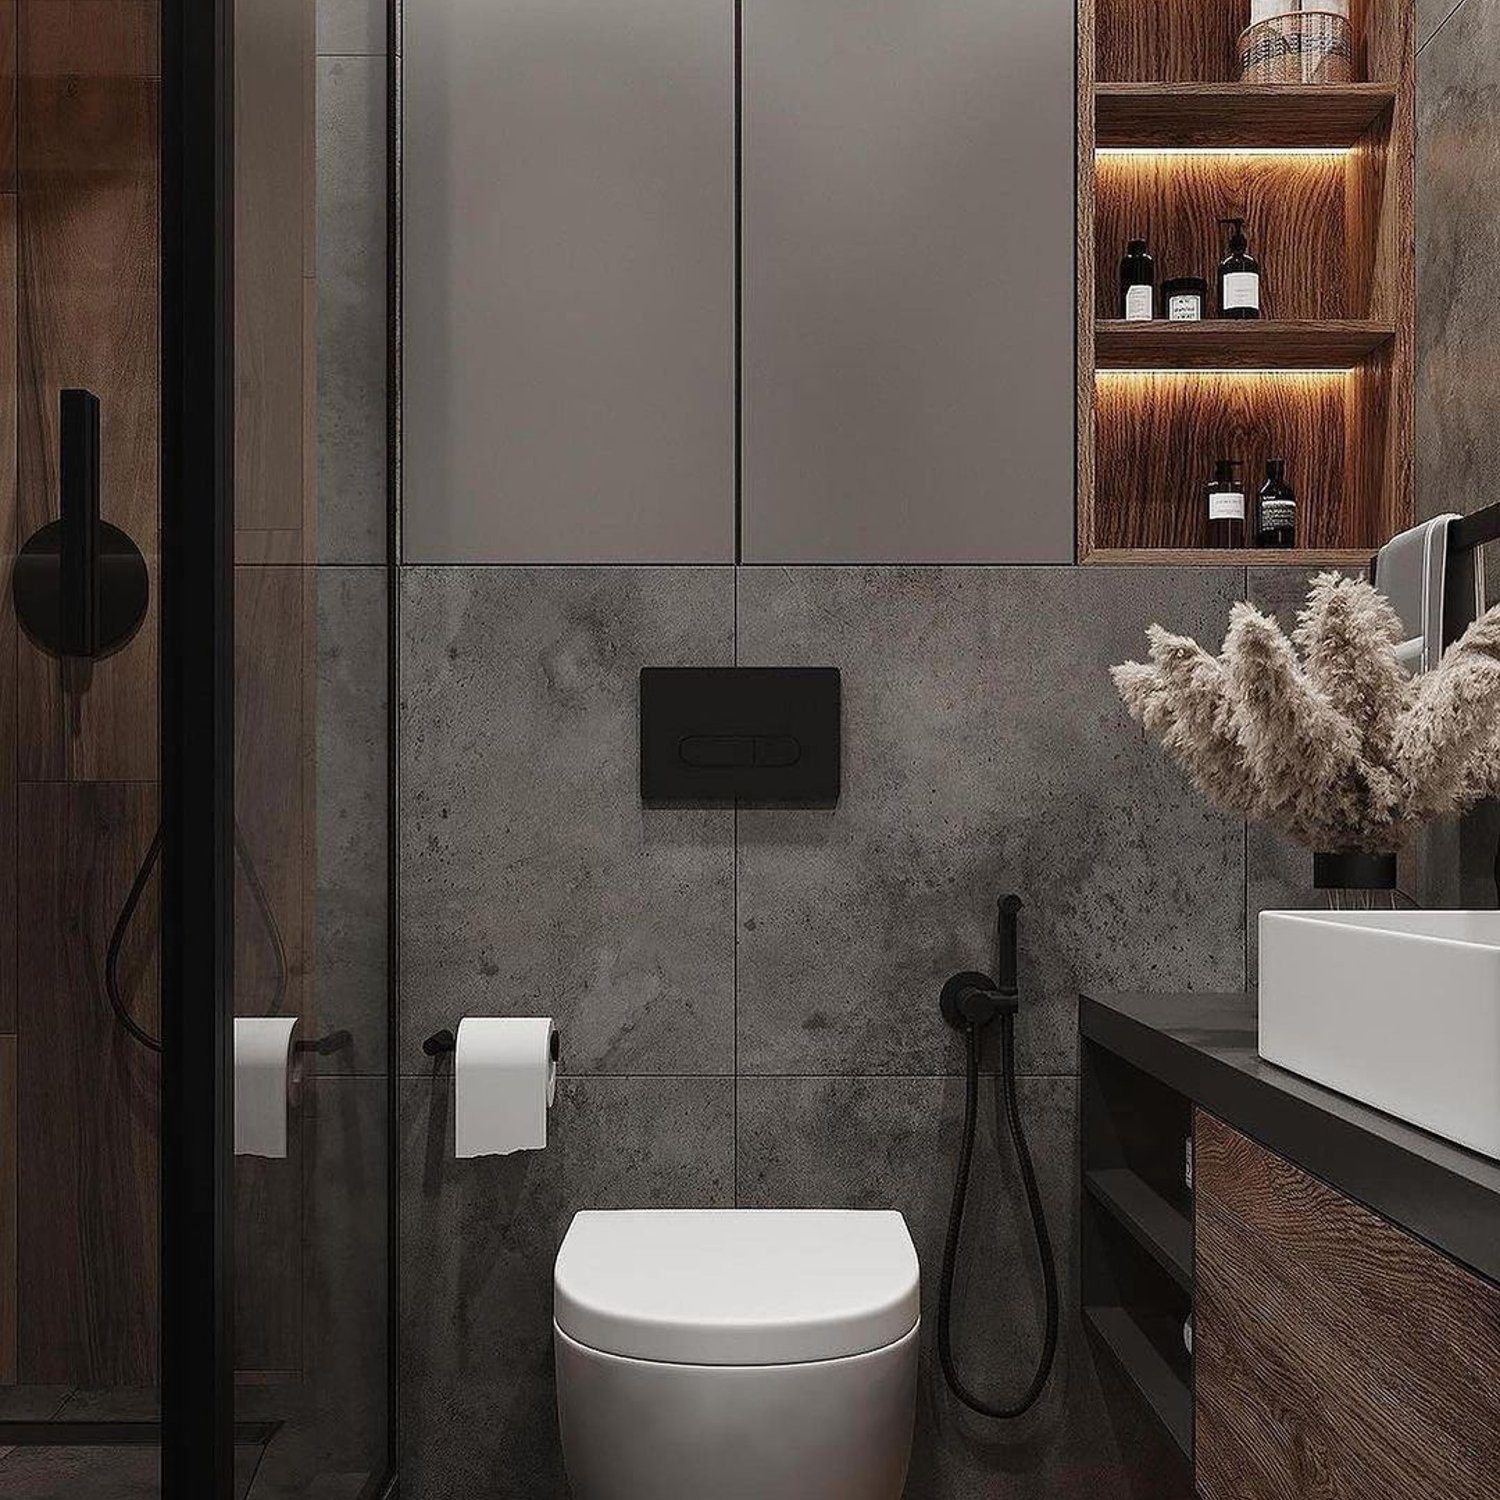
[{"x": 1352, "y": 880}]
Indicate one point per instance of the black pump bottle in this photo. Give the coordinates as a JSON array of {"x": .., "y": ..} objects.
[
  {"x": 1239, "y": 276},
  {"x": 1137, "y": 284}
]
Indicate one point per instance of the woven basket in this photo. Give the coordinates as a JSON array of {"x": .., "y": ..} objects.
[{"x": 1307, "y": 46}]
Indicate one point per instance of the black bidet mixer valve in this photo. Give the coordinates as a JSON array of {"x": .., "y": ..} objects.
[{"x": 973, "y": 999}]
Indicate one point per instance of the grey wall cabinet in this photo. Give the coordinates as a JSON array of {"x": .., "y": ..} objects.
[
  {"x": 568, "y": 280},
  {"x": 908, "y": 280}
]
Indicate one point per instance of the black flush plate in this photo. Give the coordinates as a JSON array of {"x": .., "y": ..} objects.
[{"x": 751, "y": 734}]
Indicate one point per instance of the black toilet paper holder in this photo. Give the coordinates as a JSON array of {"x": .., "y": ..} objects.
[{"x": 446, "y": 1041}]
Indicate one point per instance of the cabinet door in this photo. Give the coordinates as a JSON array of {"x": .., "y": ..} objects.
[
  {"x": 568, "y": 280},
  {"x": 1334, "y": 1354},
  {"x": 908, "y": 294}
]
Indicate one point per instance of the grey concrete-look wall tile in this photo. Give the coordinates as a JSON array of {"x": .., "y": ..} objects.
[
  {"x": 985, "y": 751},
  {"x": 479, "y": 1239},
  {"x": 1458, "y": 321},
  {"x": 352, "y": 27},
  {"x": 1431, "y": 15},
  {"x": 893, "y": 1143},
  {"x": 335, "y": 1419},
  {"x": 353, "y": 760},
  {"x": 351, "y": 309},
  {"x": 534, "y": 881}
]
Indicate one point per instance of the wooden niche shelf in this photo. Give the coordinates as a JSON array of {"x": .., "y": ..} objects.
[{"x": 1170, "y": 144}]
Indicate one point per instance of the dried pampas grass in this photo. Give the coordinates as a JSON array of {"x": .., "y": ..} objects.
[{"x": 1324, "y": 735}]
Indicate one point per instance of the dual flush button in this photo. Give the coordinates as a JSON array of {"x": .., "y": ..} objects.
[
  {"x": 717, "y": 735},
  {"x": 740, "y": 750}
]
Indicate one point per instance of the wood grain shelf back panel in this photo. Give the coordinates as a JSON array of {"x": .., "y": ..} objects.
[
  {"x": 1186, "y": 41},
  {"x": 1294, "y": 208},
  {"x": 1196, "y": 41},
  {"x": 1158, "y": 435}
]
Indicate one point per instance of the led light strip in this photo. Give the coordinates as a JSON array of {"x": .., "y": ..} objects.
[
  {"x": 1222, "y": 150},
  {"x": 1226, "y": 370}
]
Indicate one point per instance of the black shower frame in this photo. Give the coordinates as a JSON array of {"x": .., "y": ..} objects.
[
  {"x": 197, "y": 752},
  {"x": 197, "y": 748}
]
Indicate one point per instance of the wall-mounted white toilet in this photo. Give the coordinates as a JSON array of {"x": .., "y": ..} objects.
[{"x": 736, "y": 1353}]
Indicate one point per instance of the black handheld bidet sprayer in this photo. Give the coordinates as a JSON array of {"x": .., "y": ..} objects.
[{"x": 970, "y": 1002}]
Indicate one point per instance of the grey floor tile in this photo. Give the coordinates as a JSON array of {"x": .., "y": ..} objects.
[
  {"x": 43, "y": 1472},
  {"x": 353, "y": 761},
  {"x": 893, "y": 1143},
  {"x": 351, "y": 309},
  {"x": 32, "y": 1403},
  {"x": 478, "y": 1241},
  {"x": 534, "y": 882},
  {"x": 127, "y": 1403},
  {"x": 985, "y": 751}
]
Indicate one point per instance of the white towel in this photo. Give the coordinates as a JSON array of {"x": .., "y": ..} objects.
[{"x": 1411, "y": 570}]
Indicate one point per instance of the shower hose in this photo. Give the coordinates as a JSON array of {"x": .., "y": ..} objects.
[{"x": 972, "y": 1030}]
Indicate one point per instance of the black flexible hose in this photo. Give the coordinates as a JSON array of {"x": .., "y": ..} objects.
[
  {"x": 956, "y": 1222},
  {"x": 117, "y": 941},
  {"x": 127, "y": 915}
]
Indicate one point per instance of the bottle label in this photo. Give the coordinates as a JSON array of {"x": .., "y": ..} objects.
[
  {"x": 1138, "y": 301},
  {"x": 1185, "y": 307},
  {"x": 1226, "y": 505},
  {"x": 1241, "y": 289},
  {"x": 1275, "y": 514}
]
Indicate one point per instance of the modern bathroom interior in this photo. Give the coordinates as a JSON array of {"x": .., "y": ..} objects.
[{"x": 749, "y": 748}]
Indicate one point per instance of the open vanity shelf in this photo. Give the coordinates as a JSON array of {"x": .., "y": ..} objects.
[{"x": 1323, "y": 175}]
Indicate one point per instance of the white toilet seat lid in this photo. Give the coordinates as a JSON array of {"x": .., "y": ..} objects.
[{"x": 736, "y": 1286}]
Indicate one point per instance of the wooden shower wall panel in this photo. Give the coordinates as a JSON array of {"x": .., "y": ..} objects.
[
  {"x": 274, "y": 47},
  {"x": 87, "y": 150},
  {"x": 7, "y": 1210},
  {"x": 7, "y": 96},
  {"x": 9, "y": 630},
  {"x": 88, "y": 1095},
  {"x": 271, "y": 745}
]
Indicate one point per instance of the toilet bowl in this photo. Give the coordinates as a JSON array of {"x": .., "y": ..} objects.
[{"x": 736, "y": 1353}]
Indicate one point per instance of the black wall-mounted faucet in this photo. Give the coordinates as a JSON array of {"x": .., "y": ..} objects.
[{"x": 80, "y": 585}]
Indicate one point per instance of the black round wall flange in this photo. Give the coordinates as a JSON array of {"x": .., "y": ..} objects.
[
  {"x": 954, "y": 989},
  {"x": 123, "y": 593}
]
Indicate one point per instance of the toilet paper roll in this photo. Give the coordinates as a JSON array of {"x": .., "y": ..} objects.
[
  {"x": 262, "y": 1078},
  {"x": 505, "y": 1078}
]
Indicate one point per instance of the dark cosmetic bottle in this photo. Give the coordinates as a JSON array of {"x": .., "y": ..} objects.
[
  {"x": 1276, "y": 509},
  {"x": 1226, "y": 506},
  {"x": 1137, "y": 284},
  {"x": 1239, "y": 276}
]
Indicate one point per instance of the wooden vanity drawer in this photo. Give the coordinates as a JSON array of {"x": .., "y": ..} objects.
[{"x": 1336, "y": 1357}]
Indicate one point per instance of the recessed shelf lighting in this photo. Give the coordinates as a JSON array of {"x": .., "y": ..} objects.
[
  {"x": 1222, "y": 150},
  {"x": 1228, "y": 370}
]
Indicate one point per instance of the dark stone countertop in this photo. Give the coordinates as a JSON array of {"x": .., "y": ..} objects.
[{"x": 1203, "y": 1046}]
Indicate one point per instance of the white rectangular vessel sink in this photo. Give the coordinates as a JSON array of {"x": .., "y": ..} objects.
[{"x": 1400, "y": 1010}]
